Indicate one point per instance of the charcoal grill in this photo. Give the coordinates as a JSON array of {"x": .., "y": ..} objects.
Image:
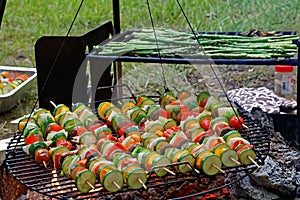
[
  {"x": 58, "y": 88},
  {"x": 48, "y": 181}
]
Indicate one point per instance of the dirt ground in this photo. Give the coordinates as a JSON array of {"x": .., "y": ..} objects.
[{"x": 23, "y": 107}]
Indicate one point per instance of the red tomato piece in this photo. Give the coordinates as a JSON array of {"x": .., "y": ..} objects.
[
  {"x": 236, "y": 122},
  {"x": 42, "y": 156},
  {"x": 205, "y": 123}
]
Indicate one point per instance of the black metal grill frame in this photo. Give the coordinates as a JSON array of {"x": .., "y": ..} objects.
[
  {"x": 38, "y": 178},
  {"x": 100, "y": 61}
]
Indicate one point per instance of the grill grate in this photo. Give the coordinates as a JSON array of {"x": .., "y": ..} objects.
[{"x": 48, "y": 181}]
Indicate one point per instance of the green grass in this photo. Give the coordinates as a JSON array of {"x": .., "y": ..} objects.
[{"x": 27, "y": 20}]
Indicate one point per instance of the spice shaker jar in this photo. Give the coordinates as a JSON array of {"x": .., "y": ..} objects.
[{"x": 284, "y": 82}]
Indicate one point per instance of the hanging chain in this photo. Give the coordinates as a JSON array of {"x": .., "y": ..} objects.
[
  {"x": 157, "y": 46},
  {"x": 210, "y": 65},
  {"x": 53, "y": 64}
]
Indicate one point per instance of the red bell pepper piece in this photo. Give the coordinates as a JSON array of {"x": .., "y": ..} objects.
[
  {"x": 31, "y": 139},
  {"x": 90, "y": 151},
  {"x": 127, "y": 162},
  {"x": 93, "y": 128},
  {"x": 120, "y": 139},
  {"x": 164, "y": 113},
  {"x": 56, "y": 162},
  {"x": 169, "y": 131},
  {"x": 143, "y": 126},
  {"x": 79, "y": 130},
  {"x": 107, "y": 121},
  {"x": 184, "y": 112},
  {"x": 122, "y": 130},
  {"x": 82, "y": 162},
  {"x": 110, "y": 137},
  {"x": 55, "y": 127},
  {"x": 65, "y": 143},
  {"x": 140, "y": 99},
  {"x": 121, "y": 146}
]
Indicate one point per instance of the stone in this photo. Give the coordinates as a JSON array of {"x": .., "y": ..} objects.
[
  {"x": 272, "y": 175},
  {"x": 249, "y": 190}
]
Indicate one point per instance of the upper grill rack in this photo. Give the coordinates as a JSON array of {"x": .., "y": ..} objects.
[{"x": 126, "y": 35}]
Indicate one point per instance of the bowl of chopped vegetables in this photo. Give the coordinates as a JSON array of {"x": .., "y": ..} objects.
[{"x": 14, "y": 82}]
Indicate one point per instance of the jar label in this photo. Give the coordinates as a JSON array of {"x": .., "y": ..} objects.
[{"x": 286, "y": 84}]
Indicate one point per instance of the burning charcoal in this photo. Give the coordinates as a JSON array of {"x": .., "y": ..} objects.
[{"x": 204, "y": 180}]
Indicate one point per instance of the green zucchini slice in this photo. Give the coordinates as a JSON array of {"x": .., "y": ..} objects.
[
  {"x": 208, "y": 162},
  {"x": 186, "y": 157},
  {"x": 245, "y": 154},
  {"x": 67, "y": 164},
  {"x": 135, "y": 178},
  {"x": 84, "y": 180},
  {"x": 226, "y": 156},
  {"x": 113, "y": 181},
  {"x": 160, "y": 161}
]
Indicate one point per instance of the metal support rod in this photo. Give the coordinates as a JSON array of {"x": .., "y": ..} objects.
[
  {"x": 297, "y": 42},
  {"x": 2, "y": 7},
  {"x": 116, "y": 13},
  {"x": 117, "y": 29}
]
